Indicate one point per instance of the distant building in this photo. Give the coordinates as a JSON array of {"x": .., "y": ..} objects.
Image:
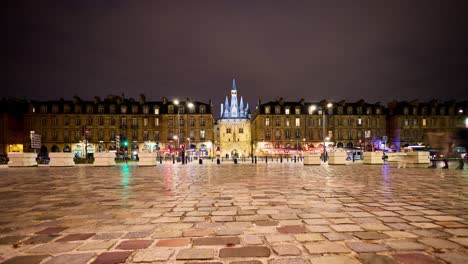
[
  {"x": 285, "y": 128},
  {"x": 101, "y": 125},
  {"x": 234, "y": 127},
  {"x": 434, "y": 123},
  {"x": 278, "y": 127},
  {"x": 12, "y": 124}
]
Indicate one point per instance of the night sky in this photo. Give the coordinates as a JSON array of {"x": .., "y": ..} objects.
[{"x": 372, "y": 50}]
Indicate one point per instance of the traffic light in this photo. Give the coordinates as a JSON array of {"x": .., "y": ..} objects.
[{"x": 125, "y": 143}]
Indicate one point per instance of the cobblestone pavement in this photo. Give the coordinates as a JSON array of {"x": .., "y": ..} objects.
[{"x": 237, "y": 214}]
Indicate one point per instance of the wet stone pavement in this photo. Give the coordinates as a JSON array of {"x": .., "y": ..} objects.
[{"x": 237, "y": 214}]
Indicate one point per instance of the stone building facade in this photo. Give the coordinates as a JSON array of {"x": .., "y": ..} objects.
[{"x": 91, "y": 126}]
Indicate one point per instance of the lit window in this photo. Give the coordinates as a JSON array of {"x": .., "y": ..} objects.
[
  {"x": 466, "y": 122},
  {"x": 202, "y": 134},
  {"x": 267, "y": 110},
  {"x": 156, "y": 121},
  {"x": 286, "y": 111},
  {"x": 297, "y": 111},
  {"x": 267, "y": 121},
  {"x": 298, "y": 121},
  {"x": 424, "y": 122},
  {"x": 359, "y": 122},
  {"x": 287, "y": 121},
  {"x": 156, "y": 111}
]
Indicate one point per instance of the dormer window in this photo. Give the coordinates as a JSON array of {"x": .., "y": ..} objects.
[
  {"x": 55, "y": 109},
  {"x": 368, "y": 111},
  {"x": 134, "y": 109},
  {"x": 267, "y": 110},
  {"x": 66, "y": 109},
  {"x": 145, "y": 110},
  {"x": 340, "y": 110},
  {"x": 101, "y": 109},
  {"x": 297, "y": 111},
  {"x": 78, "y": 109},
  {"x": 349, "y": 110},
  {"x": 286, "y": 111},
  {"x": 89, "y": 109},
  {"x": 170, "y": 109},
  {"x": 123, "y": 109},
  {"x": 112, "y": 109},
  {"x": 156, "y": 110},
  {"x": 43, "y": 109},
  {"x": 278, "y": 109},
  {"x": 359, "y": 110},
  {"x": 202, "y": 109}
]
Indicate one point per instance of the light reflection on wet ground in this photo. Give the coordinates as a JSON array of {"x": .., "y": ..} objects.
[{"x": 92, "y": 199}]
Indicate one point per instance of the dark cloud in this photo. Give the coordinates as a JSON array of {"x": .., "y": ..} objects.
[{"x": 375, "y": 50}]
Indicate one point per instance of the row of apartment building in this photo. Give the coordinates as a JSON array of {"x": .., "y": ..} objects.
[{"x": 275, "y": 127}]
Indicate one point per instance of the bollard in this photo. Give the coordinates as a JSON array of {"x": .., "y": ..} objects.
[
  {"x": 218, "y": 161},
  {"x": 200, "y": 161},
  {"x": 281, "y": 159},
  {"x": 266, "y": 159},
  {"x": 294, "y": 159},
  {"x": 173, "y": 160},
  {"x": 235, "y": 160},
  {"x": 255, "y": 159}
]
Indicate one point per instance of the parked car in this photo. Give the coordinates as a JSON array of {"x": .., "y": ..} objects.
[{"x": 357, "y": 155}]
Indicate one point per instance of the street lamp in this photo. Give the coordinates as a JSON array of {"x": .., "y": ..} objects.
[
  {"x": 189, "y": 105},
  {"x": 329, "y": 105}
]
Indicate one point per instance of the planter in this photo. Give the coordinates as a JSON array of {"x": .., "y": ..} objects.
[
  {"x": 146, "y": 159},
  {"x": 104, "y": 159},
  {"x": 22, "y": 159},
  {"x": 312, "y": 159},
  {"x": 373, "y": 158},
  {"x": 418, "y": 157},
  {"x": 61, "y": 159},
  {"x": 337, "y": 158},
  {"x": 395, "y": 156}
]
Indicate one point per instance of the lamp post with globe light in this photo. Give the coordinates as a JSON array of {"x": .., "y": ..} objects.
[
  {"x": 190, "y": 106},
  {"x": 324, "y": 128}
]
